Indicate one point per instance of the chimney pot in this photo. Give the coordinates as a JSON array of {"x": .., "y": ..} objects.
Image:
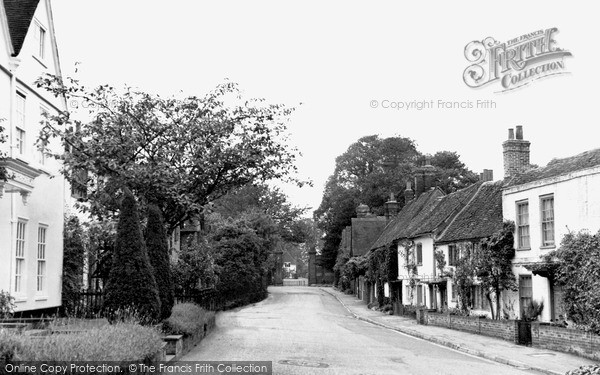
[
  {"x": 511, "y": 133},
  {"x": 519, "y": 131}
]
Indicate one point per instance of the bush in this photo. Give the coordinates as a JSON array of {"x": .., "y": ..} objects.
[
  {"x": 187, "y": 319},
  {"x": 7, "y": 305},
  {"x": 9, "y": 346},
  {"x": 117, "y": 342},
  {"x": 585, "y": 370},
  {"x": 131, "y": 283}
]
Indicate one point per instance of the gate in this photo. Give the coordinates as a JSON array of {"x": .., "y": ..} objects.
[{"x": 524, "y": 332}]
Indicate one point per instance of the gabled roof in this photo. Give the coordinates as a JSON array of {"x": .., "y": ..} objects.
[
  {"x": 439, "y": 215},
  {"x": 397, "y": 228},
  {"x": 558, "y": 167},
  {"x": 19, "y": 14},
  {"x": 481, "y": 218}
]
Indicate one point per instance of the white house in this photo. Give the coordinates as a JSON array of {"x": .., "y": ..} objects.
[
  {"x": 32, "y": 200},
  {"x": 546, "y": 203}
]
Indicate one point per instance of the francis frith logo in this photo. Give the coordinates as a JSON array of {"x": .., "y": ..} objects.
[{"x": 514, "y": 63}]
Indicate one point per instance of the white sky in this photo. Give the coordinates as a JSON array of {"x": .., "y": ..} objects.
[{"x": 337, "y": 56}]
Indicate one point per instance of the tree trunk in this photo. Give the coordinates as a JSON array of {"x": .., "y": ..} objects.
[
  {"x": 489, "y": 298},
  {"x": 497, "y": 304}
]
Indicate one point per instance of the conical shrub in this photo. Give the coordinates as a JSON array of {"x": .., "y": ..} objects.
[{"x": 131, "y": 286}]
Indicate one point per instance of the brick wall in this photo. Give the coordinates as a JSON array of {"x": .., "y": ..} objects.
[
  {"x": 585, "y": 344},
  {"x": 504, "y": 329}
]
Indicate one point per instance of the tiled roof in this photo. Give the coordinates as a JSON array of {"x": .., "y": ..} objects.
[
  {"x": 398, "y": 227},
  {"x": 558, "y": 167},
  {"x": 439, "y": 215},
  {"x": 481, "y": 218},
  {"x": 19, "y": 14}
]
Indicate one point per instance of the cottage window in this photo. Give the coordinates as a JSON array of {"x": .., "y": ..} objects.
[
  {"x": 547, "y": 215},
  {"x": 453, "y": 255},
  {"x": 20, "y": 256},
  {"x": 523, "y": 225},
  {"x": 40, "y": 36},
  {"x": 419, "y": 254},
  {"x": 41, "y": 259}
]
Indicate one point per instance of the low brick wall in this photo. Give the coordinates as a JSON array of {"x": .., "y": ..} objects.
[
  {"x": 504, "y": 329},
  {"x": 585, "y": 344}
]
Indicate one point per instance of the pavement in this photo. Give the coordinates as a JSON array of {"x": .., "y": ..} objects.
[{"x": 521, "y": 357}]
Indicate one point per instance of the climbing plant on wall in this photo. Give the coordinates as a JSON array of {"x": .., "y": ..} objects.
[{"x": 410, "y": 265}]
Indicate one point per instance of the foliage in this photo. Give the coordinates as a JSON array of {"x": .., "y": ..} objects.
[
  {"x": 493, "y": 264},
  {"x": 9, "y": 346},
  {"x": 368, "y": 172},
  {"x": 532, "y": 310},
  {"x": 3, "y": 172},
  {"x": 158, "y": 252},
  {"x": 179, "y": 154},
  {"x": 194, "y": 267},
  {"x": 117, "y": 342},
  {"x": 585, "y": 370},
  {"x": 463, "y": 280},
  {"x": 440, "y": 261},
  {"x": 187, "y": 319},
  {"x": 578, "y": 271},
  {"x": 7, "y": 304},
  {"x": 242, "y": 247},
  {"x": 100, "y": 239},
  {"x": 391, "y": 262},
  {"x": 73, "y": 261},
  {"x": 340, "y": 279},
  {"x": 131, "y": 283}
]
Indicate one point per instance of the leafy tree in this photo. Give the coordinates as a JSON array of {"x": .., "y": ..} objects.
[
  {"x": 179, "y": 154},
  {"x": 493, "y": 265},
  {"x": 463, "y": 280},
  {"x": 194, "y": 267},
  {"x": 158, "y": 252},
  {"x": 368, "y": 172},
  {"x": 131, "y": 283},
  {"x": 242, "y": 247},
  {"x": 73, "y": 261},
  {"x": 101, "y": 237},
  {"x": 576, "y": 266}
]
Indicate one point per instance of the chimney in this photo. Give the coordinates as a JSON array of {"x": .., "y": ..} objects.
[
  {"x": 391, "y": 208},
  {"x": 409, "y": 194},
  {"x": 516, "y": 153},
  {"x": 362, "y": 210},
  {"x": 424, "y": 178},
  {"x": 486, "y": 175}
]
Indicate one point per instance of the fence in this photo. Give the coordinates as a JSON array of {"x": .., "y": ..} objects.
[{"x": 295, "y": 282}]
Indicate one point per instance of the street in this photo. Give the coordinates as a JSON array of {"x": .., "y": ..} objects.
[{"x": 305, "y": 330}]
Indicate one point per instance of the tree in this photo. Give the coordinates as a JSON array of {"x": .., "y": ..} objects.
[
  {"x": 158, "y": 252},
  {"x": 493, "y": 264},
  {"x": 131, "y": 284},
  {"x": 179, "y": 154},
  {"x": 368, "y": 172},
  {"x": 576, "y": 266},
  {"x": 73, "y": 261}
]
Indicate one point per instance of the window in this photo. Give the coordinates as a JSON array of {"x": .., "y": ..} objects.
[
  {"x": 523, "y": 225},
  {"x": 419, "y": 254},
  {"x": 525, "y": 292},
  {"x": 420, "y": 296},
  {"x": 40, "y": 36},
  {"x": 20, "y": 256},
  {"x": 547, "y": 215},
  {"x": 20, "y": 134},
  {"x": 41, "y": 259},
  {"x": 453, "y": 255},
  {"x": 454, "y": 290}
]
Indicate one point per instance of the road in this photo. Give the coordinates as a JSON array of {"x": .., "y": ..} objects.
[{"x": 305, "y": 330}]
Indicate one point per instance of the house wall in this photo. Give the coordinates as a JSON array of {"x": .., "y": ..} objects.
[
  {"x": 45, "y": 205},
  {"x": 425, "y": 271},
  {"x": 576, "y": 207}
]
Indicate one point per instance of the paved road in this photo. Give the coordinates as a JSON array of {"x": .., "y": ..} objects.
[{"x": 305, "y": 330}]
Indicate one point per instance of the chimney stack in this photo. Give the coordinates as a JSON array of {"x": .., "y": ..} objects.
[
  {"x": 486, "y": 175},
  {"x": 391, "y": 208},
  {"x": 516, "y": 153},
  {"x": 409, "y": 194},
  {"x": 363, "y": 210}
]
